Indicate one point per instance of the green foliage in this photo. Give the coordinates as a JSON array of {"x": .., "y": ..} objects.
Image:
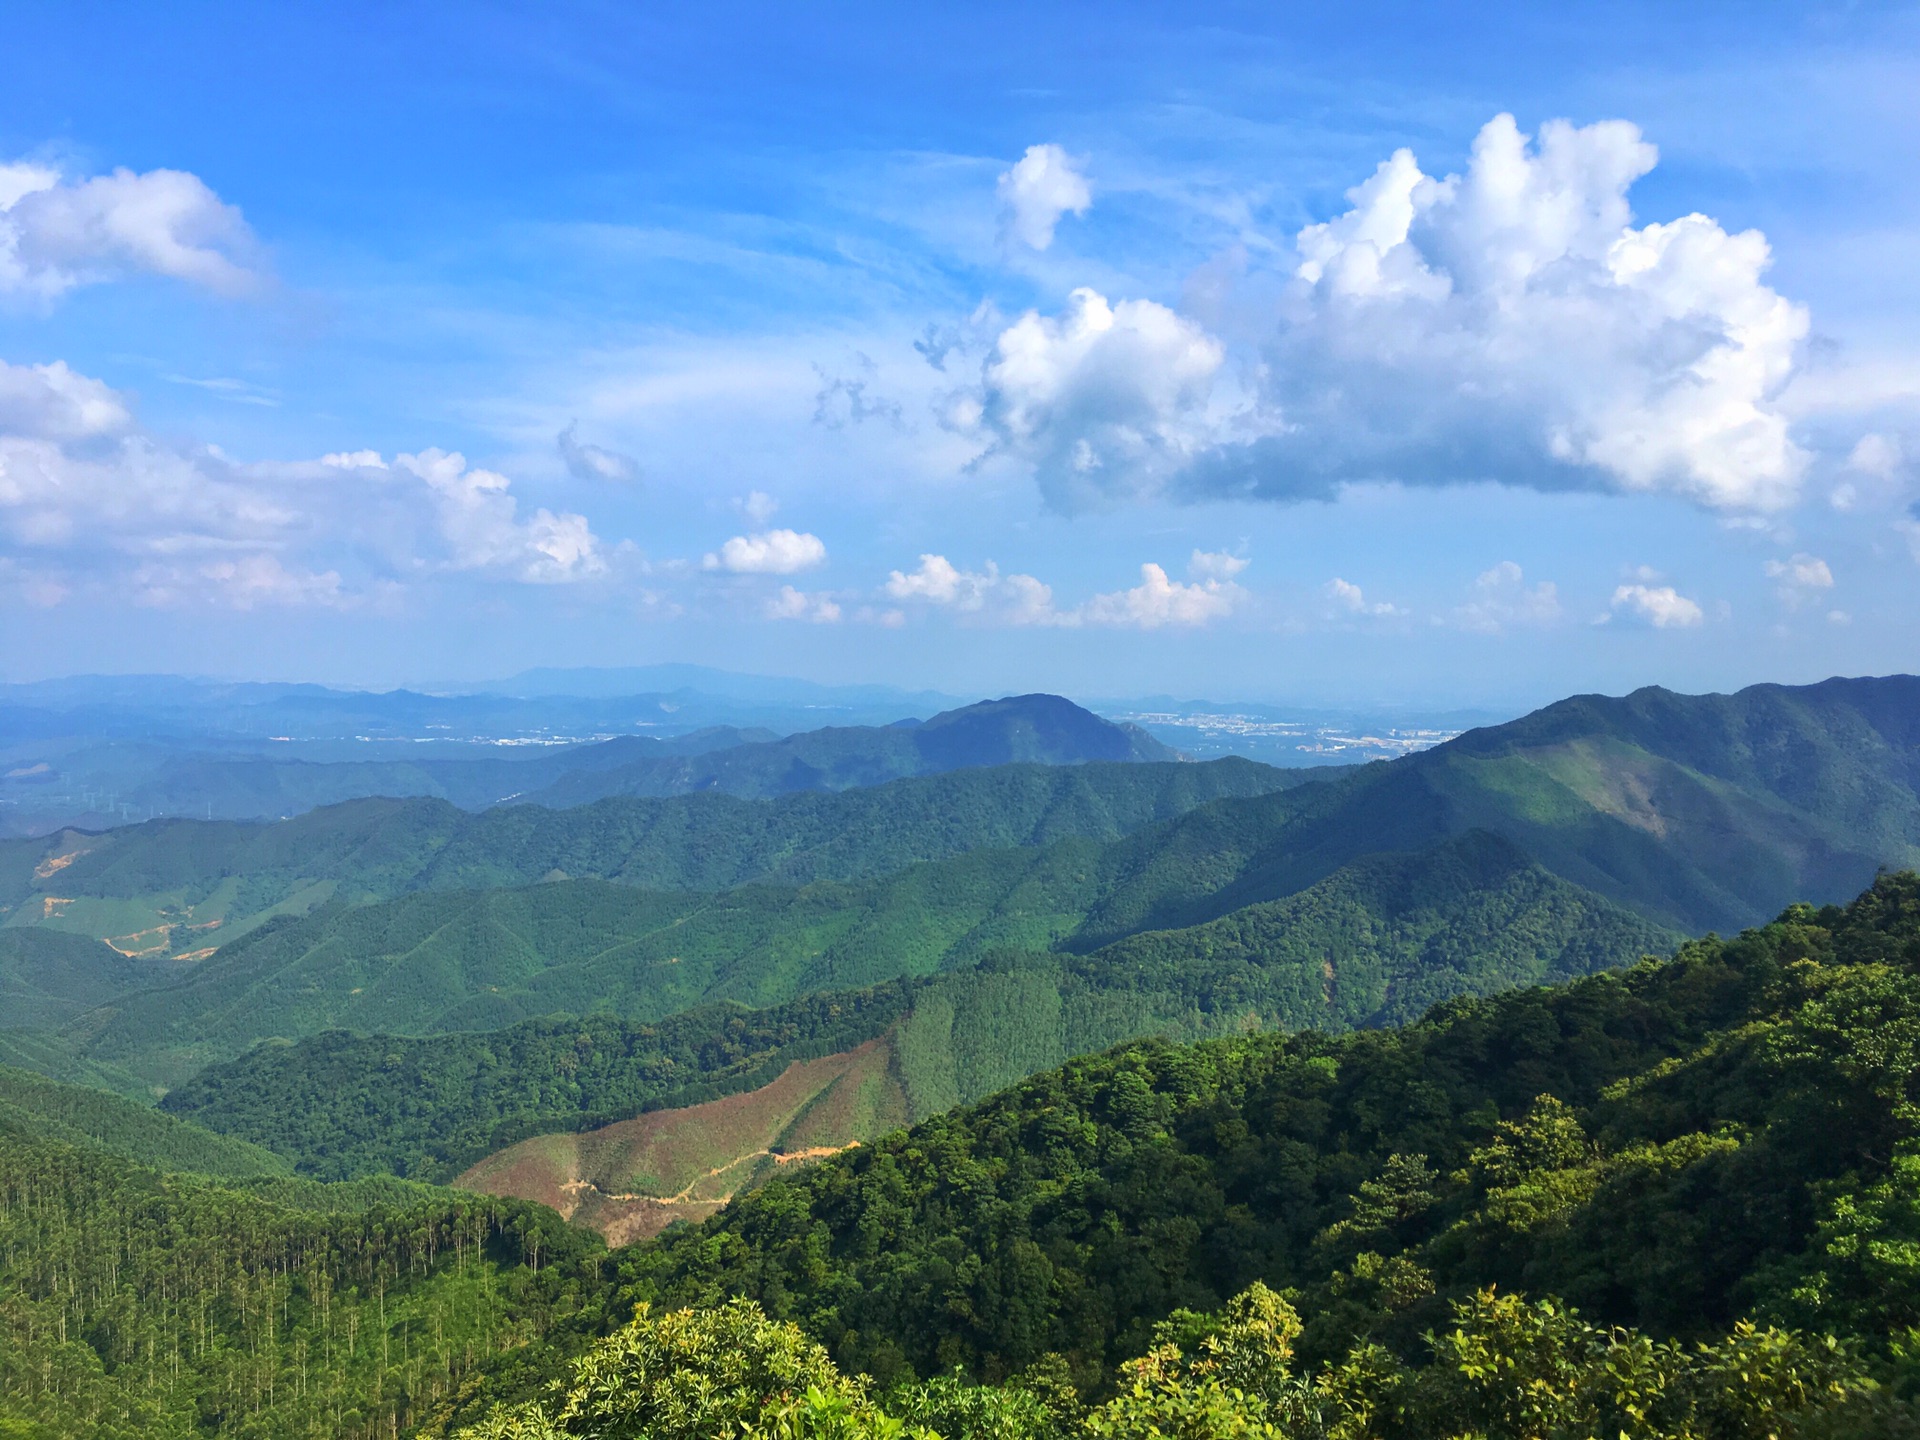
[
  {"x": 1703, "y": 1121},
  {"x": 1358, "y": 949},
  {"x": 1504, "y": 1370},
  {"x": 692, "y": 1375},
  {"x": 192, "y": 871},
  {"x": 34, "y": 1107},
  {"x": 46, "y": 978},
  {"x": 138, "y": 1304}
]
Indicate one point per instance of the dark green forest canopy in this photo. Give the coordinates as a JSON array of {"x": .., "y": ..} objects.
[
  {"x": 1376, "y": 943},
  {"x": 1731, "y": 1131}
]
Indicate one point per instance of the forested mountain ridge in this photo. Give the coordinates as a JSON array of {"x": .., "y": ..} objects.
[
  {"x": 205, "y": 881},
  {"x": 1373, "y": 944},
  {"x": 1701, "y": 812},
  {"x": 32, "y": 1107},
  {"x": 1729, "y": 1132},
  {"x": 481, "y": 960}
]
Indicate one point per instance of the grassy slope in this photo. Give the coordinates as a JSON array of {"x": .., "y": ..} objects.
[{"x": 632, "y": 1179}]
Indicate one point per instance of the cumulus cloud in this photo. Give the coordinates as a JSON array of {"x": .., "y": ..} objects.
[
  {"x": 1156, "y": 601},
  {"x": 1501, "y": 599},
  {"x": 1508, "y": 324},
  {"x": 591, "y": 462},
  {"x": 1660, "y": 606},
  {"x": 1800, "y": 579},
  {"x": 1159, "y": 601},
  {"x": 57, "y": 234},
  {"x": 770, "y": 552},
  {"x": 792, "y": 604},
  {"x": 480, "y": 520},
  {"x": 1880, "y": 456},
  {"x": 1348, "y": 598},
  {"x": 1216, "y": 564},
  {"x": 53, "y": 402},
  {"x": 96, "y": 498},
  {"x": 1043, "y": 185},
  {"x": 1102, "y": 400},
  {"x": 938, "y": 581}
]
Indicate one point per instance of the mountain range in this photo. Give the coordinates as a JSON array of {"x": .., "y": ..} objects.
[{"x": 847, "y": 1002}]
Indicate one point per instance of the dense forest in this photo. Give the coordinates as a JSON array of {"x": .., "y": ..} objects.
[
  {"x": 136, "y": 1304},
  {"x": 1706, "y": 1157},
  {"x": 1375, "y": 943},
  {"x": 1726, "y": 1134},
  {"x": 188, "y": 873}
]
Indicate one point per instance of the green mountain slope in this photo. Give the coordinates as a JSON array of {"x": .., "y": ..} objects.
[
  {"x": 47, "y": 977},
  {"x": 208, "y": 881},
  {"x": 33, "y": 1107},
  {"x": 1700, "y": 811},
  {"x": 1731, "y": 1132},
  {"x": 140, "y": 1305},
  {"x": 1373, "y": 944}
]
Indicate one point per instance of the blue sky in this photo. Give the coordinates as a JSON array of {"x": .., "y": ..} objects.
[{"x": 381, "y": 344}]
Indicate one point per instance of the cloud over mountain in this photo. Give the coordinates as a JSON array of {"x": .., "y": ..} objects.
[{"x": 1508, "y": 324}]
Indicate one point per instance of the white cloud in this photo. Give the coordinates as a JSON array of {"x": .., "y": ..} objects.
[
  {"x": 1880, "y": 456},
  {"x": 1800, "y": 579},
  {"x": 758, "y": 506},
  {"x": 1501, "y": 598},
  {"x": 591, "y": 462},
  {"x": 1001, "y": 599},
  {"x": 792, "y": 604},
  {"x": 56, "y": 234},
  {"x": 1043, "y": 185},
  {"x": 1216, "y": 564},
  {"x": 245, "y": 583},
  {"x": 1104, "y": 400},
  {"x": 480, "y": 521},
  {"x": 103, "y": 501},
  {"x": 1023, "y": 600},
  {"x": 1509, "y": 324},
  {"x": 1346, "y": 596},
  {"x": 770, "y": 552},
  {"x": 1660, "y": 606},
  {"x": 1158, "y": 601},
  {"x": 939, "y": 582},
  {"x": 52, "y": 402}
]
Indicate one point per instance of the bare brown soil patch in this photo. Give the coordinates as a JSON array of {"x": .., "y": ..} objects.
[{"x": 632, "y": 1179}]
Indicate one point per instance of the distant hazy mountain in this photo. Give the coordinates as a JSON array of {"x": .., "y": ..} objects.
[
  {"x": 1023, "y": 729},
  {"x": 265, "y": 752}
]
